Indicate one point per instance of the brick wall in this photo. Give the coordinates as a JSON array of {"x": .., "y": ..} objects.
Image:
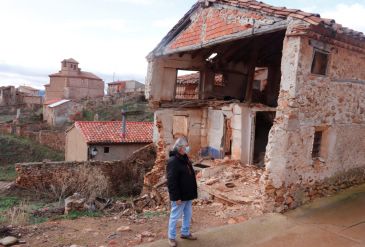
[{"x": 213, "y": 23}]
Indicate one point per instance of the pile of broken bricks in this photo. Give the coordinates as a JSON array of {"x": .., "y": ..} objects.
[{"x": 230, "y": 182}]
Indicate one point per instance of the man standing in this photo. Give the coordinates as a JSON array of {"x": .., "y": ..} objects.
[{"x": 182, "y": 187}]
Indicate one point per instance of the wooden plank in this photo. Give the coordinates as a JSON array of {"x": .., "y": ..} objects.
[{"x": 251, "y": 71}]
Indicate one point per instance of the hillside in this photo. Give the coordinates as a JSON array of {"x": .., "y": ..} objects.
[
  {"x": 136, "y": 108},
  {"x": 16, "y": 150}
]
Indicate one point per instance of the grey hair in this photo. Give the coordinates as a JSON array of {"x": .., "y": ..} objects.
[{"x": 180, "y": 142}]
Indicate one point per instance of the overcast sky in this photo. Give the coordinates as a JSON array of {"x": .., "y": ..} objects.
[{"x": 108, "y": 36}]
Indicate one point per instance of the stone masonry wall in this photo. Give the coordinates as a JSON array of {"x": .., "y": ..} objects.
[
  {"x": 54, "y": 140},
  {"x": 333, "y": 104},
  {"x": 43, "y": 175},
  {"x": 126, "y": 177}
]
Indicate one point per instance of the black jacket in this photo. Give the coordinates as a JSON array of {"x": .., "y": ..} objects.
[{"x": 181, "y": 180}]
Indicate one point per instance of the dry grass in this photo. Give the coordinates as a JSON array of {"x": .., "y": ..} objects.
[
  {"x": 18, "y": 215},
  {"x": 86, "y": 180}
]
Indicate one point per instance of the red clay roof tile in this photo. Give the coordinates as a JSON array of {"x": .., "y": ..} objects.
[
  {"x": 111, "y": 132},
  {"x": 311, "y": 18}
]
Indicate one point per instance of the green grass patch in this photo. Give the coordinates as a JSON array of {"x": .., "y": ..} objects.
[
  {"x": 73, "y": 215},
  {"x": 7, "y": 173},
  {"x": 15, "y": 149},
  {"x": 7, "y": 202},
  {"x": 151, "y": 214},
  {"x": 136, "y": 111}
]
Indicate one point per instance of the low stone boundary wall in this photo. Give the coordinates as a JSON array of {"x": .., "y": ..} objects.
[{"x": 124, "y": 177}]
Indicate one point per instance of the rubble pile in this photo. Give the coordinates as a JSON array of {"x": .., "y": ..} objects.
[
  {"x": 157, "y": 173},
  {"x": 225, "y": 185},
  {"x": 230, "y": 182},
  {"x": 154, "y": 189}
]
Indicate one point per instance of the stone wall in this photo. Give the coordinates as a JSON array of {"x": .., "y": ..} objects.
[
  {"x": 125, "y": 177},
  {"x": 53, "y": 139},
  {"x": 331, "y": 103}
]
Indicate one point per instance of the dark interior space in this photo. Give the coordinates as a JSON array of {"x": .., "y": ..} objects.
[
  {"x": 236, "y": 62},
  {"x": 264, "y": 122}
]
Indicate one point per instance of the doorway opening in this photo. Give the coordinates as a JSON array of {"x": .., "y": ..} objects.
[
  {"x": 263, "y": 124},
  {"x": 227, "y": 137}
]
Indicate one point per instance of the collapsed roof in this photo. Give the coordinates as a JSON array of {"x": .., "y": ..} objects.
[{"x": 202, "y": 25}]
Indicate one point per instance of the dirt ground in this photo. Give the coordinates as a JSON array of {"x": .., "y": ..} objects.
[
  {"x": 230, "y": 197},
  {"x": 103, "y": 231}
]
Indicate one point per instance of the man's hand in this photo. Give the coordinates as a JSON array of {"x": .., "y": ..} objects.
[{"x": 179, "y": 202}]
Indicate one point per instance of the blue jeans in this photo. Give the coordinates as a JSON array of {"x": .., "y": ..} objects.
[{"x": 185, "y": 209}]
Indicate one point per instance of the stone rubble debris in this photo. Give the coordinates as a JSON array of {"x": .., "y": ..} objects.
[
  {"x": 231, "y": 182},
  {"x": 74, "y": 203},
  {"x": 9, "y": 241}
]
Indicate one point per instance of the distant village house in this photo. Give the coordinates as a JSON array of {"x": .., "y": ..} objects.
[
  {"x": 106, "y": 141},
  {"x": 28, "y": 90},
  {"x": 8, "y": 96},
  {"x": 23, "y": 96},
  {"x": 58, "y": 112},
  {"x": 66, "y": 87},
  {"x": 73, "y": 83},
  {"x": 125, "y": 87}
]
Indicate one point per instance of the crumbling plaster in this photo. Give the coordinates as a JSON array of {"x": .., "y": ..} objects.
[{"x": 165, "y": 117}]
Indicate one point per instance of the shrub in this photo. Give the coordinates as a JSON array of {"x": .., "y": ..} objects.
[{"x": 86, "y": 180}]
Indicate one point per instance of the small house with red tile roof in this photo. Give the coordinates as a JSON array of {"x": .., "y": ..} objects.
[
  {"x": 106, "y": 141},
  {"x": 301, "y": 119}
]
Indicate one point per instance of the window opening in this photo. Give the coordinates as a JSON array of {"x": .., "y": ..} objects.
[
  {"x": 259, "y": 85},
  {"x": 320, "y": 62},
  {"x": 187, "y": 84},
  {"x": 219, "y": 80},
  {"x": 316, "y": 151},
  {"x": 106, "y": 150}
]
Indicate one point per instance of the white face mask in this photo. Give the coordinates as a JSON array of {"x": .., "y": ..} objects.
[{"x": 187, "y": 149}]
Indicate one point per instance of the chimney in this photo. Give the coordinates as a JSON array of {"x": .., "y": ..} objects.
[{"x": 124, "y": 123}]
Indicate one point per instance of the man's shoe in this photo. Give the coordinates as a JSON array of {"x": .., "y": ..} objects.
[
  {"x": 172, "y": 243},
  {"x": 188, "y": 237}
]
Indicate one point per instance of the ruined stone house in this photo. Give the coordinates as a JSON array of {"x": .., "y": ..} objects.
[
  {"x": 59, "y": 112},
  {"x": 29, "y": 91},
  {"x": 8, "y": 96},
  {"x": 73, "y": 83},
  {"x": 106, "y": 141},
  {"x": 125, "y": 87},
  {"x": 21, "y": 97},
  {"x": 304, "y": 122}
]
